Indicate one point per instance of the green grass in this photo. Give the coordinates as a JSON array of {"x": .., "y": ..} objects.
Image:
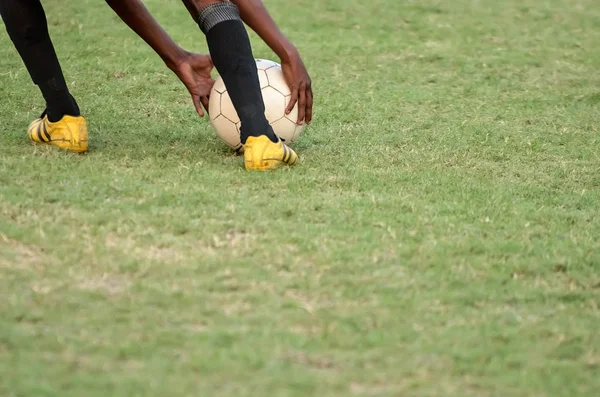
[{"x": 440, "y": 236}]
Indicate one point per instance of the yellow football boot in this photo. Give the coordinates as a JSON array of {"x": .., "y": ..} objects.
[
  {"x": 69, "y": 133},
  {"x": 260, "y": 153}
]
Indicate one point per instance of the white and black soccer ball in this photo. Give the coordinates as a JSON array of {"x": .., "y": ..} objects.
[{"x": 276, "y": 96}]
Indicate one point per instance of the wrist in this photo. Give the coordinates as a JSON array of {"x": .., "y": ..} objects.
[
  {"x": 174, "y": 58},
  {"x": 288, "y": 52}
]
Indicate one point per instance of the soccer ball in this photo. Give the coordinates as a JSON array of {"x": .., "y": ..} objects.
[{"x": 276, "y": 96}]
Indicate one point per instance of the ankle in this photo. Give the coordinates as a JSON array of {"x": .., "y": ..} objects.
[{"x": 268, "y": 132}]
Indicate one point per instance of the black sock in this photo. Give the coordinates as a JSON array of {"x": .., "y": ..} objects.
[
  {"x": 231, "y": 52},
  {"x": 59, "y": 101},
  {"x": 27, "y": 27}
]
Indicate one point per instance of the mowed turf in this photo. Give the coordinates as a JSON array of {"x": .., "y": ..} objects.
[{"x": 439, "y": 237}]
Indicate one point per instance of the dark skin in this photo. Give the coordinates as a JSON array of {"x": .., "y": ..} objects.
[
  {"x": 255, "y": 15},
  {"x": 194, "y": 69}
]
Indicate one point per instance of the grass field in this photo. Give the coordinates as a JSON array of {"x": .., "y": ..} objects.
[{"x": 440, "y": 236}]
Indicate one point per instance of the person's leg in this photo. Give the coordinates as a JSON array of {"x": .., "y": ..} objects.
[
  {"x": 231, "y": 52},
  {"x": 26, "y": 25},
  {"x": 61, "y": 123}
]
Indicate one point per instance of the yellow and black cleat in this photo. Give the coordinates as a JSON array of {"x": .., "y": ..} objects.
[
  {"x": 69, "y": 133},
  {"x": 260, "y": 153}
]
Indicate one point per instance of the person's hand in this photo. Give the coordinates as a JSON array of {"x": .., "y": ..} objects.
[
  {"x": 194, "y": 72},
  {"x": 299, "y": 82}
]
